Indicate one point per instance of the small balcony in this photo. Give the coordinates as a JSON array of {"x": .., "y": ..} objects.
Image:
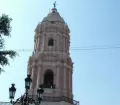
[{"x": 51, "y": 86}]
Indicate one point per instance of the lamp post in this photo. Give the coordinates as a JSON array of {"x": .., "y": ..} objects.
[
  {"x": 25, "y": 99},
  {"x": 12, "y": 91}
]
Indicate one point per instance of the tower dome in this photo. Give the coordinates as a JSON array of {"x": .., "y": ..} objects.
[
  {"x": 53, "y": 16},
  {"x": 52, "y": 22}
]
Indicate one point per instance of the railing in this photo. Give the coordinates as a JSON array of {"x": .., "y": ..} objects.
[{"x": 51, "y": 99}]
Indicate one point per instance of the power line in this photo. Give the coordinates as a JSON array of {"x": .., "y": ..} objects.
[
  {"x": 75, "y": 49},
  {"x": 116, "y": 45},
  {"x": 96, "y": 48}
]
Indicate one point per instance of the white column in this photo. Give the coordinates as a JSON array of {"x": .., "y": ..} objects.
[
  {"x": 69, "y": 80},
  {"x": 70, "y": 91},
  {"x": 62, "y": 40},
  {"x": 32, "y": 76},
  {"x": 44, "y": 42},
  {"x": 39, "y": 77},
  {"x": 35, "y": 78},
  {"x": 58, "y": 76},
  {"x": 33, "y": 85},
  {"x": 64, "y": 77},
  {"x": 37, "y": 44},
  {"x": 65, "y": 43},
  {"x": 38, "y": 47},
  {"x": 58, "y": 42},
  {"x": 40, "y": 42},
  {"x": 42, "y": 74}
]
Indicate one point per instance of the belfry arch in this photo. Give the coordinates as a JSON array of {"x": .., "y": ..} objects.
[
  {"x": 50, "y": 42},
  {"x": 48, "y": 79}
]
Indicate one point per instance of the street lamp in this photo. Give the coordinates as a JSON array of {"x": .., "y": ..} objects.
[
  {"x": 25, "y": 99},
  {"x": 39, "y": 93},
  {"x": 28, "y": 81},
  {"x": 12, "y": 91}
]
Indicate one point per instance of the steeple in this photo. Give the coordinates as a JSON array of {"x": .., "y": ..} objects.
[{"x": 51, "y": 64}]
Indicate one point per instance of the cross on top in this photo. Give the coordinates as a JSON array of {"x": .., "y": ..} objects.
[{"x": 54, "y": 4}]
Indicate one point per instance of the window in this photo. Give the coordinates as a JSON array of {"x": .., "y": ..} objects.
[
  {"x": 50, "y": 42},
  {"x": 48, "y": 79},
  {"x": 52, "y": 22}
]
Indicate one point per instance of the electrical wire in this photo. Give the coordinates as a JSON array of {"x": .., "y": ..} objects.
[{"x": 85, "y": 48}]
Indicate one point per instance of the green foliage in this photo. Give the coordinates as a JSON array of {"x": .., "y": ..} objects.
[
  {"x": 5, "y": 27},
  {"x": 5, "y": 30}
]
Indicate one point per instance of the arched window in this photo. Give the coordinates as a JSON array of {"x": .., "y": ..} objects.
[
  {"x": 51, "y": 42},
  {"x": 48, "y": 79}
]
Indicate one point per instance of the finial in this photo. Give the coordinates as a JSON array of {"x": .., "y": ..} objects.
[
  {"x": 54, "y": 9},
  {"x": 54, "y": 4}
]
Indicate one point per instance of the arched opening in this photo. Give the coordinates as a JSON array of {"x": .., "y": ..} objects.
[
  {"x": 51, "y": 42},
  {"x": 48, "y": 79}
]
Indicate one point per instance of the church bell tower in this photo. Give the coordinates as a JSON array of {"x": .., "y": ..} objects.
[{"x": 50, "y": 64}]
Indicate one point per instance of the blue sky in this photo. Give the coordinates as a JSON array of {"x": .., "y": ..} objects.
[{"x": 92, "y": 23}]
